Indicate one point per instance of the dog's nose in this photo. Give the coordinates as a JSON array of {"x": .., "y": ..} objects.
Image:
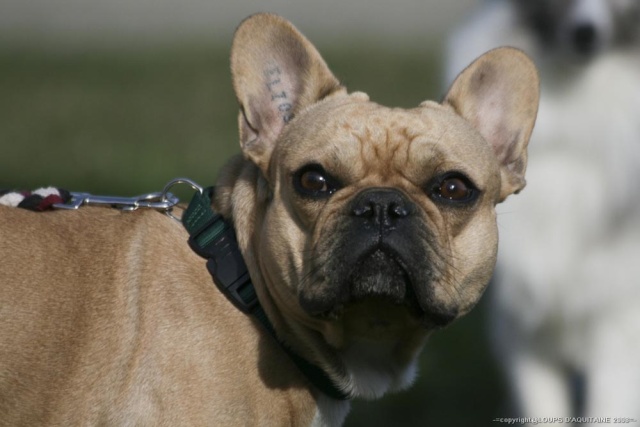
[
  {"x": 584, "y": 38},
  {"x": 382, "y": 207}
]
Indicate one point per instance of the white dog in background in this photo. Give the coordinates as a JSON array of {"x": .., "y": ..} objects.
[{"x": 567, "y": 291}]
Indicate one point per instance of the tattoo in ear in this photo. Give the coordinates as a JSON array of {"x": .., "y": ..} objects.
[{"x": 277, "y": 90}]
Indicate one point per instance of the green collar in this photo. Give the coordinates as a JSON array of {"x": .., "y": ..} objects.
[{"x": 213, "y": 238}]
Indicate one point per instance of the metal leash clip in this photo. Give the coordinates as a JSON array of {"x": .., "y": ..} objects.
[
  {"x": 165, "y": 192},
  {"x": 161, "y": 200},
  {"x": 157, "y": 200}
]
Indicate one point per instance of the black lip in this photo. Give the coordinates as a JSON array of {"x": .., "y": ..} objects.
[
  {"x": 385, "y": 249},
  {"x": 386, "y": 261},
  {"x": 433, "y": 316}
]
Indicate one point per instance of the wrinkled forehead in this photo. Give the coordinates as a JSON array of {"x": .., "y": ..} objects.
[{"x": 367, "y": 135}]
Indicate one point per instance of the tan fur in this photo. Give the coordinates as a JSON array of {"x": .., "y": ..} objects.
[{"x": 110, "y": 318}]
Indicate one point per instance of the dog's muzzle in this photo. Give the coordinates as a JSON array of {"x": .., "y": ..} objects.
[
  {"x": 382, "y": 253},
  {"x": 379, "y": 270}
]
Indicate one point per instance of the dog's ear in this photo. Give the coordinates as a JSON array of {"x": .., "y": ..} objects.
[
  {"x": 498, "y": 94},
  {"x": 276, "y": 73}
]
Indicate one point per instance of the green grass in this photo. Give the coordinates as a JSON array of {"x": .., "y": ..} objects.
[
  {"x": 113, "y": 121},
  {"x": 127, "y": 122}
]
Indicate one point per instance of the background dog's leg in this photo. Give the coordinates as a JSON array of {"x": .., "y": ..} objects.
[
  {"x": 613, "y": 370},
  {"x": 540, "y": 388}
]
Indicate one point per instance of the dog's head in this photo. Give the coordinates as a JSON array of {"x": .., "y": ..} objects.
[
  {"x": 363, "y": 220},
  {"x": 582, "y": 28}
]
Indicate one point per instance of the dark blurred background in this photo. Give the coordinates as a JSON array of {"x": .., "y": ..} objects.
[{"x": 118, "y": 97}]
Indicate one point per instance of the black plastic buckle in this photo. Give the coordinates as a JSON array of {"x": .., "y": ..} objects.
[
  {"x": 225, "y": 262},
  {"x": 240, "y": 292},
  {"x": 230, "y": 272},
  {"x": 205, "y": 251}
]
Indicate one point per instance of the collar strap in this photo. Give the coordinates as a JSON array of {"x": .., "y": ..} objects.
[{"x": 213, "y": 238}]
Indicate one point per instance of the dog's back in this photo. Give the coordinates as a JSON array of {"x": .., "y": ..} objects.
[
  {"x": 109, "y": 318},
  {"x": 567, "y": 292}
]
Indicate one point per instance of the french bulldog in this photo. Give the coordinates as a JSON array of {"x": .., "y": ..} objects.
[{"x": 363, "y": 228}]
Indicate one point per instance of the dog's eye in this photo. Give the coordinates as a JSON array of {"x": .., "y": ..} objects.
[
  {"x": 454, "y": 187},
  {"x": 313, "y": 181}
]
